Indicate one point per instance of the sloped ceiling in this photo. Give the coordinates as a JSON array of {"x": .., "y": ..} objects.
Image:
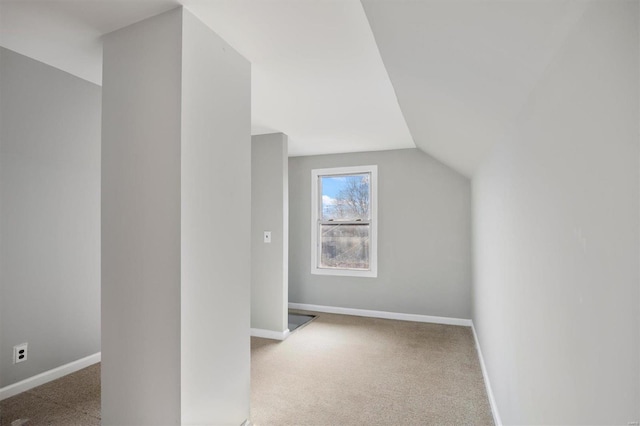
[
  {"x": 463, "y": 69},
  {"x": 341, "y": 75},
  {"x": 316, "y": 72}
]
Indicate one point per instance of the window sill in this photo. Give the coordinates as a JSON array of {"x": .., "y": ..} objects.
[{"x": 344, "y": 272}]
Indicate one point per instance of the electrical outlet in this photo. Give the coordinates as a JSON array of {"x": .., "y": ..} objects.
[
  {"x": 267, "y": 237},
  {"x": 20, "y": 353}
]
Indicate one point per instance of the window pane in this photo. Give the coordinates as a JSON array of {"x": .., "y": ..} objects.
[
  {"x": 345, "y": 197},
  {"x": 344, "y": 246}
]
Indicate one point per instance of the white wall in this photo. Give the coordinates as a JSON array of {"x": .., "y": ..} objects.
[
  {"x": 269, "y": 212},
  {"x": 216, "y": 212},
  {"x": 556, "y": 236},
  {"x": 424, "y": 237},
  {"x": 49, "y": 216},
  {"x": 176, "y": 172}
]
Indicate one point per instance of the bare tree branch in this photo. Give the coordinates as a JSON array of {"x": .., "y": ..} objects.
[{"x": 352, "y": 201}]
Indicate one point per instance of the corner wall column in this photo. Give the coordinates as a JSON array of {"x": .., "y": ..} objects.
[{"x": 176, "y": 175}]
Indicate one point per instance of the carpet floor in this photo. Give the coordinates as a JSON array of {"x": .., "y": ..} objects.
[
  {"x": 73, "y": 400},
  {"x": 337, "y": 370},
  {"x": 346, "y": 370}
]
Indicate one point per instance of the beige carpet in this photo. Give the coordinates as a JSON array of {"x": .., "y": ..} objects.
[
  {"x": 71, "y": 400},
  {"x": 337, "y": 370},
  {"x": 342, "y": 370}
]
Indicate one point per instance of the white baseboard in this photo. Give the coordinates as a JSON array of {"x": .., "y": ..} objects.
[
  {"x": 381, "y": 314},
  {"x": 47, "y": 376},
  {"x": 487, "y": 383},
  {"x": 270, "y": 334}
]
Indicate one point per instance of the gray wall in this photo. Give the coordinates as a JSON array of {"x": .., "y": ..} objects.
[
  {"x": 556, "y": 292},
  {"x": 269, "y": 212},
  {"x": 176, "y": 196},
  {"x": 141, "y": 222},
  {"x": 49, "y": 216},
  {"x": 424, "y": 237}
]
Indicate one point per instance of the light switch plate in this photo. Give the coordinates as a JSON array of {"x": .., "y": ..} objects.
[{"x": 267, "y": 237}]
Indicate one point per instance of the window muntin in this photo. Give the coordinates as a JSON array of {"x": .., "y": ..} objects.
[{"x": 344, "y": 225}]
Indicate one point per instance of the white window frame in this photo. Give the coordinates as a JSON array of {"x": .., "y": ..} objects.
[{"x": 316, "y": 204}]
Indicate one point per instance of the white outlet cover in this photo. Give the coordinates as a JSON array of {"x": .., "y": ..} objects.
[
  {"x": 20, "y": 353},
  {"x": 267, "y": 237}
]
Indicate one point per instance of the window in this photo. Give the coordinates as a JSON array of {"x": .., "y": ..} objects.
[{"x": 344, "y": 221}]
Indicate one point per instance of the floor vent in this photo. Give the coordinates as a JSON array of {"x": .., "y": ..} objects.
[{"x": 299, "y": 320}]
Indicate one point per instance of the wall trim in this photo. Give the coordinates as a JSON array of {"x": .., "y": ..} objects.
[
  {"x": 47, "y": 376},
  {"x": 487, "y": 383},
  {"x": 381, "y": 314},
  {"x": 270, "y": 334}
]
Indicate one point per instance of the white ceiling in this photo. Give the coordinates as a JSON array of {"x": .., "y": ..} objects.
[
  {"x": 67, "y": 34},
  {"x": 316, "y": 72},
  {"x": 461, "y": 69}
]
